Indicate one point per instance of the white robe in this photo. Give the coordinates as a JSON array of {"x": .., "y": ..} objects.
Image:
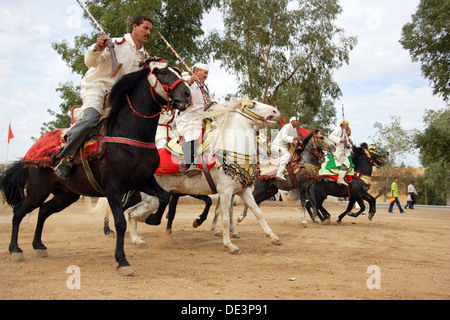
[
  {"x": 97, "y": 82},
  {"x": 280, "y": 146},
  {"x": 189, "y": 123},
  {"x": 343, "y": 150}
]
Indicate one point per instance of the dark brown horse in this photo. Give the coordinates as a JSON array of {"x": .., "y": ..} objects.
[{"x": 128, "y": 164}]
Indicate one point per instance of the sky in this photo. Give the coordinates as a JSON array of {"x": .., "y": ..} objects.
[{"x": 380, "y": 80}]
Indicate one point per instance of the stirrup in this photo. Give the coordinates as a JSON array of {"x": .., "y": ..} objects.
[{"x": 62, "y": 170}]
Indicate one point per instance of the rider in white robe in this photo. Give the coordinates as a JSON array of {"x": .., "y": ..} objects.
[
  {"x": 340, "y": 137},
  {"x": 280, "y": 146},
  {"x": 97, "y": 83},
  {"x": 189, "y": 123}
]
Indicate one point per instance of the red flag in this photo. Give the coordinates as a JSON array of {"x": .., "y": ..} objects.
[
  {"x": 10, "y": 133},
  {"x": 304, "y": 132},
  {"x": 282, "y": 121}
]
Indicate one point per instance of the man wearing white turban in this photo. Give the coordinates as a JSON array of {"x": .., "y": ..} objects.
[
  {"x": 280, "y": 146},
  {"x": 189, "y": 123}
]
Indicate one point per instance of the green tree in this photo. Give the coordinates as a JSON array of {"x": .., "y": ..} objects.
[
  {"x": 428, "y": 40},
  {"x": 434, "y": 151},
  {"x": 178, "y": 21},
  {"x": 282, "y": 55},
  {"x": 397, "y": 141}
]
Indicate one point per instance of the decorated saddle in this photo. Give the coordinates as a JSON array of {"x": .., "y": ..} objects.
[
  {"x": 329, "y": 170},
  {"x": 294, "y": 166},
  {"x": 172, "y": 157},
  {"x": 44, "y": 152}
]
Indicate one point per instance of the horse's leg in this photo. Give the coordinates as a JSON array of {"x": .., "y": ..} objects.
[
  {"x": 315, "y": 201},
  {"x": 208, "y": 203},
  {"x": 140, "y": 212},
  {"x": 372, "y": 205},
  {"x": 115, "y": 202},
  {"x": 154, "y": 189},
  {"x": 217, "y": 212},
  {"x": 351, "y": 203},
  {"x": 172, "y": 210},
  {"x": 106, "y": 229},
  {"x": 243, "y": 214},
  {"x": 248, "y": 198},
  {"x": 59, "y": 202},
  {"x": 36, "y": 195},
  {"x": 234, "y": 233},
  {"x": 349, "y": 208},
  {"x": 225, "y": 201},
  {"x": 19, "y": 212}
]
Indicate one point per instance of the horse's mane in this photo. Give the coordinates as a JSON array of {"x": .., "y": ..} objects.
[
  {"x": 306, "y": 140},
  {"x": 125, "y": 85},
  {"x": 309, "y": 136},
  {"x": 358, "y": 151},
  {"x": 223, "y": 115}
]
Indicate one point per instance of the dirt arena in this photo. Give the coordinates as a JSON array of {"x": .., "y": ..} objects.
[{"x": 410, "y": 252}]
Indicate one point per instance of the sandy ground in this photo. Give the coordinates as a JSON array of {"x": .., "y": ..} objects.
[{"x": 410, "y": 252}]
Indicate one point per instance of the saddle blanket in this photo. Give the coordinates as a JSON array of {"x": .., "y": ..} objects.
[
  {"x": 169, "y": 163},
  {"x": 44, "y": 152},
  {"x": 330, "y": 171}
]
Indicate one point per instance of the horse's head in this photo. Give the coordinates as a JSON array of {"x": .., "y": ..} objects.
[
  {"x": 260, "y": 113},
  {"x": 378, "y": 156},
  {"x": 322, "y": 141},
  {"x": 166, "y": 81}
]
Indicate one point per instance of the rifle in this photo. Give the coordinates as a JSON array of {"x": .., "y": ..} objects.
[
  {"x": 208, "y": 102},
  {"x": 116, "y": 66}
]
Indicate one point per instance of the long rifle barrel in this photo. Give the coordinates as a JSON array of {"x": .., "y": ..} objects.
[{"x": 115, "y": 65}]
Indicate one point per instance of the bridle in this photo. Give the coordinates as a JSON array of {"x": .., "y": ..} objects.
[
  {"x": 317, "y": 152},
  {"x": 162, "y": 90}
]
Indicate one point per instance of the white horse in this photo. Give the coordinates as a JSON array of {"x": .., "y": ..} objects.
[{"x": 234, "y": 146}]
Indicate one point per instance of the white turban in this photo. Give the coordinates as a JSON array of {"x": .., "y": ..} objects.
[
  {"x": 293, "y": 119},
  {"x": 201, "y": 66}
]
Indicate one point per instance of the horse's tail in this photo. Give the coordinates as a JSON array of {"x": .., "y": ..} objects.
[
  {"x": 12, "y": 183},
  {"x": 102, "y": 207}
]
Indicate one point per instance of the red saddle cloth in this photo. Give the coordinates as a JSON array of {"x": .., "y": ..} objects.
[
  {"x": 170, "y": 164},
  {"x": 44, "y": 152}
]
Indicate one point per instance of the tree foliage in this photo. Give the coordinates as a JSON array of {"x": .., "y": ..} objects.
[
  {"x": 427, "y": 38},
  {"x": 178, "y": 21},
  {"x": 434, "y": 151},
  {"x": 284, "y": 54}
]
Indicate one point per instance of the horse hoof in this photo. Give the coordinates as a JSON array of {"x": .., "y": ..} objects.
[
  {"x": 125, "y": 271},
  {"x": 326, "y": 221},
  {"x": 370, "y": 216},
  {"x": 217, "y": 234},
  {"x": 197, "y": 223},
  {"x": 139, "y": 242},
  {"x": 16, "y": 256},
  {"x": 305, "y": 224},
  {"x": 235, "y": 236},
  {"x": 338, "y": 223},
  {"x": 110, "y": 234},
  {"x": 276, "y": 242},
  {"x": 234, "y": 250},
  {"x": 41, "y": 253}
]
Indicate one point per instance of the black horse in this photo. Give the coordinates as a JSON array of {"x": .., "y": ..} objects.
[
  {"x": 127, "y": 164},
  {"x": 308, "y": 159},
  {"x": 364, "y": 158}
]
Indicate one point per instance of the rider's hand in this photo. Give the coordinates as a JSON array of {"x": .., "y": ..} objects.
[{"x": 101, "y": 43}]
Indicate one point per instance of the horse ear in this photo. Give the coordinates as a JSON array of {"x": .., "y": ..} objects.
[{"x": 177, "y": 70}]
